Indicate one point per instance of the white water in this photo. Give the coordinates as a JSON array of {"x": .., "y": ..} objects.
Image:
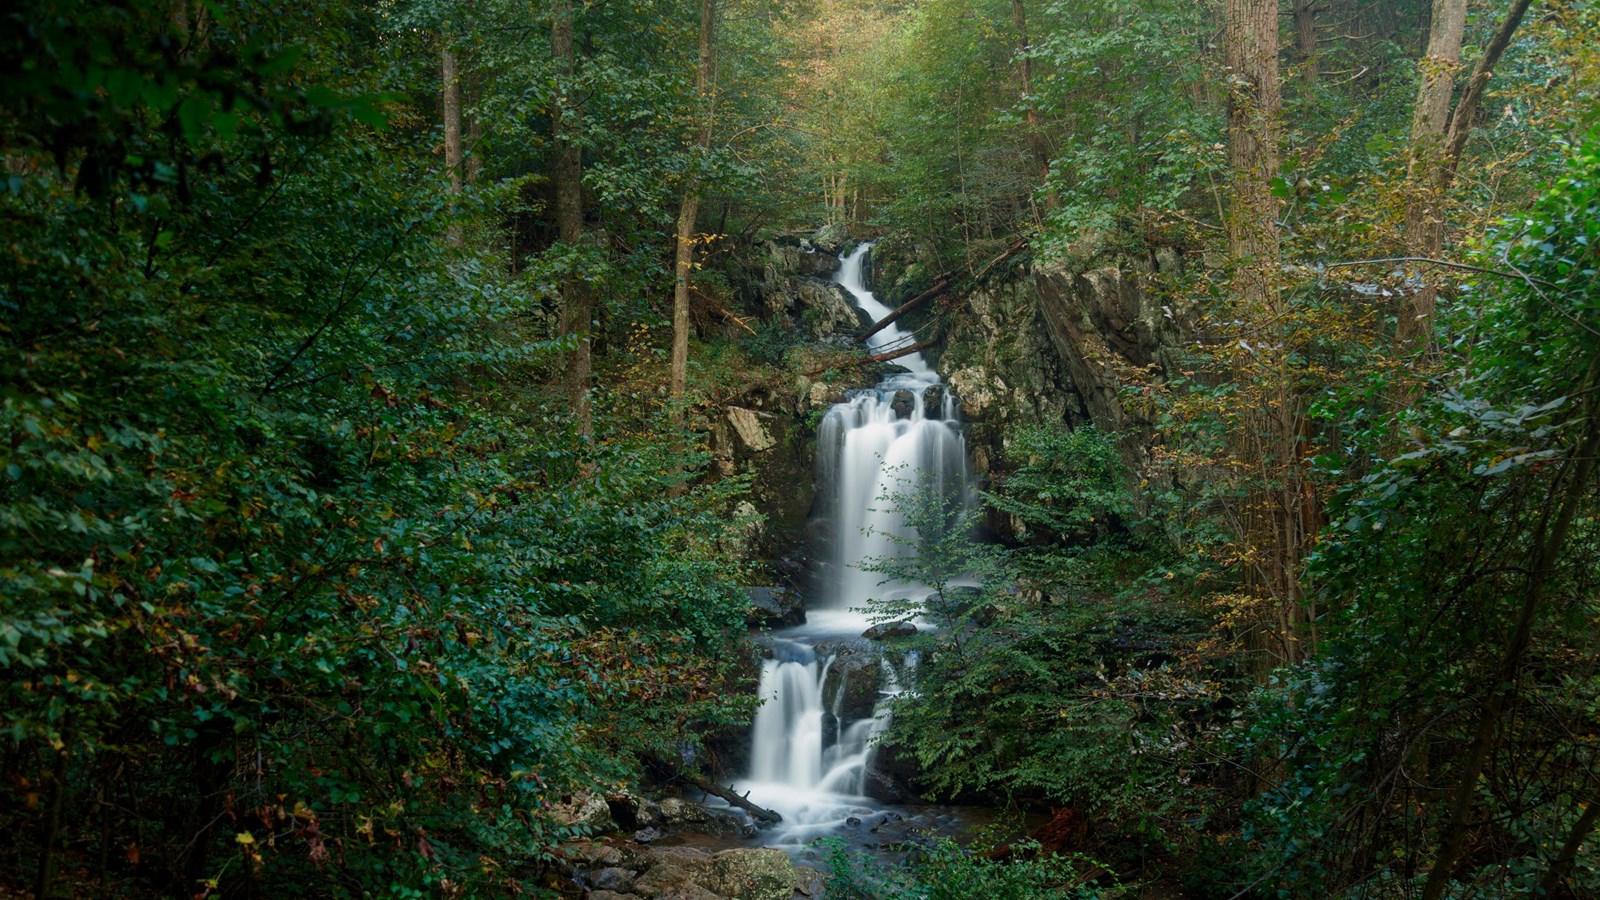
[{"x": 865, "y": 451}]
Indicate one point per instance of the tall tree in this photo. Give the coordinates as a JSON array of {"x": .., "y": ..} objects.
[
  {"x": 1038, "y": 145},
  {"x": 450, "y": 77},
  {"x": 1438, "y": 138},
  {"x": 1276, "y": 525},
  {"x": 683, "y": 265},
  {"x": 566, "y": 122}
]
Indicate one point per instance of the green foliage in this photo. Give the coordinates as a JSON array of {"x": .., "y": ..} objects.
[
  {"x": 944, "y": 870},
  {"x": 287, "y": 569},
  {"x": 1036, "y": 684},
  {"x": 1068, "y": 483},
  {"x": 1423, "y": 572}
]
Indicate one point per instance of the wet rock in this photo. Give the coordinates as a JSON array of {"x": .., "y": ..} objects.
[
  {"x": 933, "y": 402},
  {"x": 751, "y": 428},
  {"x": 824, "y": 308},
  {"x": 774, "y": 607},
  {"x": 647, "y": 835},
  {"x": 610, "y": 895},
  {"x": 978, "y": 389},
  {"x": 831, "y": 238},
  {"x": 751, "y": 874},
  {"x": 850, "y": 690},
  {"x": 631, "y": 812},
  {"x": 584, "y": 810},
  {"x": 808, "y": 882},
  {"x": 884, "y": 630},
  {"x": 612, "y": 879},
  {"x": 889, "y": 776},
  {"x": 903, "y": 403},
  {"x": 853, "y": 821},
  {"x": 676, "y": 811}
]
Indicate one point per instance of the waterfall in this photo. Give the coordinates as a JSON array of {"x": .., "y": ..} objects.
[{"x": 809, "y": 762}]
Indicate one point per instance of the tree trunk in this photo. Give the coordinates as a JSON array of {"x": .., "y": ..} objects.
[
  {"x": 1038, "y": 148},
  {"x": 1274, "y": 527},
  {"x": 566, "y": 122},
  {"x": 1438, "y": 138},
  {"x": 1305, "y": 39},
  {"x": 683, "y": 266},
  {"x": 1425, "y": 205},
  {"x": 451, "y": 104}
]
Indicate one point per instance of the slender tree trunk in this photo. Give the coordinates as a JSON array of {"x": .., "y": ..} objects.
[
  {"x": 566, "y": 124},
  {"x": 451, "y": 104},
  {"x": 683, "y": 267},
  {"x": 1438, "y": 138},
  {"x": 1275, "y": 531},
  {"x": 1556, "y": 877},
  {"x": 1570, "y": 493},
  {"x": 1038, "y": 147},
  {"x": 1305, "y": 39},
  {"x": 1425, "y": 205}
]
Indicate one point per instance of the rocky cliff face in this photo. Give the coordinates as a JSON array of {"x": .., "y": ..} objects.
[{"x": 1048, "y": 343}]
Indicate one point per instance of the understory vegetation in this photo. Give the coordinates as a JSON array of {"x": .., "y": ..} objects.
[{"x": 364, "y": 363}]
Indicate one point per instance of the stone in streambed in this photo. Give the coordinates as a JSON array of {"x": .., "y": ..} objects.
[
  {"x": 774, "y": 607},
  {"x": 584, "y": 810},
  {"x": 902, "y": 404},
  {"x": 752, "y": 874},
  {"x": 889, "y": 630},
  {"x": 612, "y": 879}
]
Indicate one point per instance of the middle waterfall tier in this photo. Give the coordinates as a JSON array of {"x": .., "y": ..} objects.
[{"x": 826, "y": 693}]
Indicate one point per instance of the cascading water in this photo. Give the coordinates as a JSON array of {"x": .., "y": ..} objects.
[{"x": 809, "y": 759}]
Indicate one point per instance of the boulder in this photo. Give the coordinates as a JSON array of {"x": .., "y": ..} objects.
[
  {"x": 676, "y": 811},
  {"x": 610, "y": 895},
  {"x": 823, "y": 306},
  {"x": 903, "y": 403},
  {"x": 850, "y": 690},
  {"x": 831, "y": 238},
  {"x": 751, "y": 428},
  {"x": 809, "y": 882},
  {"x": 751, "y": 874},
  {"x": 584, "y": 810},
  {"x": 933, "y": 402},
  {"x": 612, "y": 879},
  {"x": 884, "y": 630},
  {"x": 631, "y": 812},
  {"x": 774, "y": 607}
]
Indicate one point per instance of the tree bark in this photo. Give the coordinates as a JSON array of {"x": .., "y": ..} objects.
[
  {"x": 1038, "y": 148},
  {"x": 1274, "y": 526},
  {"x": 566, "y": 122},
  {"x": 1425, "y": 205},
  {"x": 1305, "y": 39},
  {"x": 451, "y": 103},
  {"x": 683, "y": 265},
  {"x": 940, "y": 286}
]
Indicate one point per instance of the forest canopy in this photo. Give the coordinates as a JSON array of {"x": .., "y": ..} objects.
[{"x": 377, "y": 484}]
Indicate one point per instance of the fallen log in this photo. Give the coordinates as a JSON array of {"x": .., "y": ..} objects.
[
  {"x": 918, "y": 347},
  {"x": 939, "y": 287},
  {"x": 1013, "y": 250},
  {"x": 717, "y": 308},
  {"x": 717, "y": 790}
]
